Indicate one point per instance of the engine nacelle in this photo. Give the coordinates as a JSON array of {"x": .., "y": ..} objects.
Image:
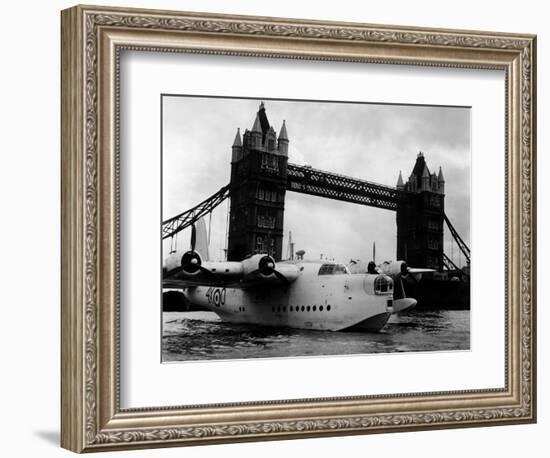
[
  {"x": 394, "y": 268},
  {"x": 261, "y": 263}
]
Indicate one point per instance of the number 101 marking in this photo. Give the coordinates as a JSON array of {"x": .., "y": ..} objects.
[{"x": 216, "y": 296}]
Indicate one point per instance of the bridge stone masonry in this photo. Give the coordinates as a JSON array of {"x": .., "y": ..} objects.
[{"x": 261, "y": 175}]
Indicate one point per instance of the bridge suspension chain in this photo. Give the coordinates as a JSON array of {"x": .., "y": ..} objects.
[
  {"x": 178, "y": 223},
  {"x": 461, "y": 244},
  {"x": 449, "y": 264}
]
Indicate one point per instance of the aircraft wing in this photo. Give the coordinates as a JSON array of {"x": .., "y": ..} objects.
[
  {"x": 415, "y": 270},
  {"x": 281, "y": 275},
  {"x": 256, "y": 271},
  {"x": 203, "y": 274}
]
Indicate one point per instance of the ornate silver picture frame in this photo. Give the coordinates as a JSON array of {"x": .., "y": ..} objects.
[{"x": 93, "y": 40}]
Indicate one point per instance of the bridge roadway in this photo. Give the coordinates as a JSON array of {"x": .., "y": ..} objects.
[{"x": 303, "y": 179}]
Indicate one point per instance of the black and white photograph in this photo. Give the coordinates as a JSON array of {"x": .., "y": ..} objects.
[{"x": 302, "y": 228}]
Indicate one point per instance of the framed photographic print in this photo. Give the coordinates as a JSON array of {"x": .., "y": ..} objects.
[{"x": 278, "y": 228}]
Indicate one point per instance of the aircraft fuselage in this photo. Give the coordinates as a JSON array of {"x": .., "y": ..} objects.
[{"x": 312, "y": 301}]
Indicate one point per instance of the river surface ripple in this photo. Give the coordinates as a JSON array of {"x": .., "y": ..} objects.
[{"x": 192, "y": 336}]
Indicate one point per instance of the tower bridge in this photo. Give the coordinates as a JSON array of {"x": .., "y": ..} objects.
[{"x": 261, "y": 175}]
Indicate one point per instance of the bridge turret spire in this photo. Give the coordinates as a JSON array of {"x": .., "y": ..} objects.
[
  {"x": 237, "y": 147},
  {"x": 257, "y": 127},
  {"x": 283, "y": 140},
  {"x": 441, "y": 181},
  {"x": 264, "y": 122},
  {"x": 256, "y": 133},
  {"x": 400, "y": 186},
  {"x": 237, "y": 141},
  {"x": 283, "y": 134}
]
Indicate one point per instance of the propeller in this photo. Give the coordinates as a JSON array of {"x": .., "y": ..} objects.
[
  {"x": 405, "y": 272},
  {"x": 412, "y": 273},
  {"x": 371, "y": 268},
  {"x": 266, "y": 265},
  {"x": 398, "y": 270},
  {"x": 266, "y": 268},
  {"x": 397, "y": 273},
  {"x": 191, "y": 261},
  {"x": 193, "y": 236}
]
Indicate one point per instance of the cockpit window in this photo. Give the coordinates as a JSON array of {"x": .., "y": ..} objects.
[
  {"x": 326, "y": 269},
  {"x": 340, "y": 269},
  {"x": 333, "y": 269}
]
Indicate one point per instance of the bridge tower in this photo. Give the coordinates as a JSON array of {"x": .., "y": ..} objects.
[
  {"x": 420, "y": 216},
  {"x": 257, "y": 190}
]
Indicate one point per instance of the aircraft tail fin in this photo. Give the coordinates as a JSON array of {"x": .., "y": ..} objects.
[{"x": 201, "y": 244}]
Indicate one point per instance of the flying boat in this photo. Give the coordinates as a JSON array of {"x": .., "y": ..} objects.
[{"x": 303, "y": 294}]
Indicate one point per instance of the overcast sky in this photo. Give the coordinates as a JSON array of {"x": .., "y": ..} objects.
[{"x": 371, "y": 142}]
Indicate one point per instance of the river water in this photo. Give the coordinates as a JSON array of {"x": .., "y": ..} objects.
[{"x": 192, "y": 336}]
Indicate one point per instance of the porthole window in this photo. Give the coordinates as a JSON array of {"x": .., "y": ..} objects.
[
  {"x": 320, "y": 308},
  {"x": 291, "y": 308},
  {"x": 303, "y": 308},
  {"x": 284, "y": 309},
  {"x": 314, "y": 308},
  {"x": 328, "y": 308},
  {"x": 308, "y": 308}
]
